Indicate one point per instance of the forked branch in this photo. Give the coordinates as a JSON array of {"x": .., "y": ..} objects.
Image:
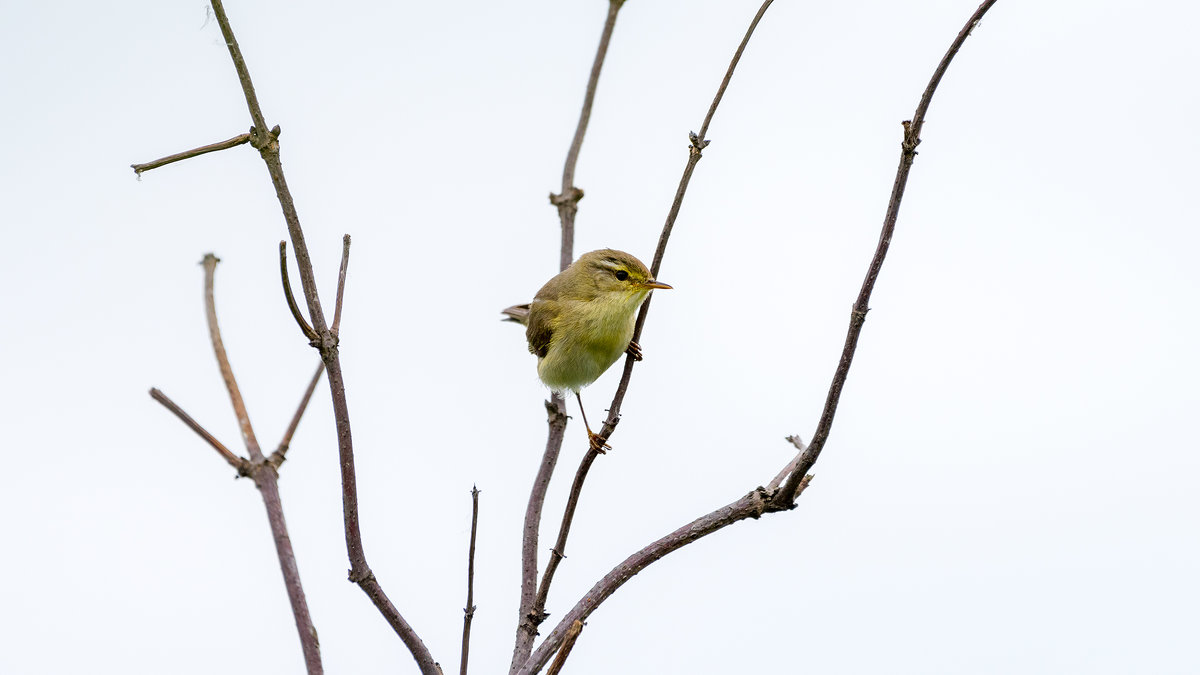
[
  {"x": 267, "y": 143},
  {"x": 567, "y": 203},
  {"x": 785, "y": 497},
  {"x": 760, "y": 500}
]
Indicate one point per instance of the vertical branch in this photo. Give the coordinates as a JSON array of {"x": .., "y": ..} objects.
[
  {"x": 567, "y": 203},
  {"x": 527, "y": 622},
  {"x": 785, "y": 497},
  {"x": 469, "y": 610},
  {"x": 267, "y": 143},
  {"x": 214, "y": 332},
  {"x": 266, "y": 479}
]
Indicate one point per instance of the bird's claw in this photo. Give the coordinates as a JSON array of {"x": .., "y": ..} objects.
[
  {"x": 634, "y": 350},
  {"x": 598, "y": 444}
]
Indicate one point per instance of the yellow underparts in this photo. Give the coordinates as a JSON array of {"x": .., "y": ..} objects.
[{"x": 587, "y": 338}]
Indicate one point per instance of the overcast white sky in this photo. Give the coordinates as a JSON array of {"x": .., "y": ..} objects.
[{"x": 1010, "y": 484}]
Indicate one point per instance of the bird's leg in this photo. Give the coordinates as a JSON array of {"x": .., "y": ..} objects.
[
  {"x": 597, "y": 443},
  {"x": 634, "y": 350}
]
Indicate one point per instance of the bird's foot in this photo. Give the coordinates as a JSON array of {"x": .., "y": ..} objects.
[
  {"x": 634, "y": 350},
  {"x": 598, "y": 444}
]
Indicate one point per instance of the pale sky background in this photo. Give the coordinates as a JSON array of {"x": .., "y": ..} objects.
[{"x": 1010, "y": 484}]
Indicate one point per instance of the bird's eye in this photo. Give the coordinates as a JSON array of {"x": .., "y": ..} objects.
[{"x": 622, "y": 275}]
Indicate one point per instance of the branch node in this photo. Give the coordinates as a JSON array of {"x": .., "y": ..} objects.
[
  {"x": 360, "y": 577},
  {"x": 569, "y": 197}
]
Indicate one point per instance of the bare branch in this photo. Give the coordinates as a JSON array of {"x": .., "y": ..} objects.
[
  {"x": 267, "y": 143},
  {"x": 567, "y": 645},
  {"x": 291, "y": 300},
  {"x": 337, "y": 305},
  {"x": 791, "y": 466},
  {"x": 240, "y": 139},
  {"x": 564, "y": 529},
  {"x": 528, "y": 621},
  {"x": 242, "y": 466},
  {"x": 785, "y": 497},
  {"x": 214, "y": 332},
  {"x": 567, "y": 201},
  {"x": 469, "y": 610},
  {"x": 695, "y": 150},
  {"x": 750, "y": 506},
  {"x": 276, "y": 459}
]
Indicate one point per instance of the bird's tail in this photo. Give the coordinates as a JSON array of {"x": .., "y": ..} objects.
[{"x": 516, "y": 314}]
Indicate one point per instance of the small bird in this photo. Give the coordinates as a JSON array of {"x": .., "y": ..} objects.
[{"x": 582, "y": 320}]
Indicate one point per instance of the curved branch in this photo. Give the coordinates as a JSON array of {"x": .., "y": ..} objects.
[
  {"x": 750, "y": 506},
  {"x": 291, "y": 299},
  {"x": 785, "y": 497}
]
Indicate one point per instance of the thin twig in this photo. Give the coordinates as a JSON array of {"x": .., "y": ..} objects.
[
  {"x": 567, "y": 203},
  {"x": 214, "y": 332},
  {"x": 469, "y": 610},
  {"x": 242, "y": 466},
  {"x": 337, "y": 305},
  {"x": 276, "y": 459},
  {"x": 291, "y": 299},
  {"x": 564, "y": 529},
  {"x": 240, "y": 139},
  {"x": 786, "y": 496},
  {"x": 791, "y": 466},
  {"x": 695, "y": 150},
  {"x": 360, "y": 572},
  {"x": 567, "y": 645}
]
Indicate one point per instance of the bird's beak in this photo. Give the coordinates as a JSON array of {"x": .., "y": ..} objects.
[{"x": 654, "y": 284}]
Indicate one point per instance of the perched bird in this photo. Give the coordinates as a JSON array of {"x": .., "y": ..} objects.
[{"x": 581, "y": 321}]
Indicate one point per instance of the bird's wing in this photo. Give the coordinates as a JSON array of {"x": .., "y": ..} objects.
[{"x": 538, "y": 329}]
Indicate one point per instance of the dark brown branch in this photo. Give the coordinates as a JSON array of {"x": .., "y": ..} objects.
[
  {"x": 341, "y": 290},
  {"x": 695, "y": 150},
  {"x": 564, "y": 529},
  {"x": 291, "y": 299},
  {"x": 750, "y": 506},
  {"x": 567, "y": 645},
  {"x": 276, "y": 459},
  {"x": 785, "y": 497},
  {"x": 567, "y": 201},
  {"x": 267, "y": 143},
  {"x": 242, "y": 466},
  {"x": 556, "y": 421},
  {"x": 469, "y": 610},
  {"x": 240, "y": 139}
]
